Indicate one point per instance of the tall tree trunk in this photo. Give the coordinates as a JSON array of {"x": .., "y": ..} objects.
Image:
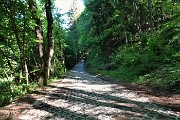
[
  {"x": 50, "y": 44},
  {"x": 125, "y": 32},
  {"x": 137, "y": 21},
  {"x": 25, "y": 68},
  {"x": 150, "y": 15},
  {"x": 39, "y": 35},
  {"x": 126, "y": 39},
  {"x": 38, "y": 29}
]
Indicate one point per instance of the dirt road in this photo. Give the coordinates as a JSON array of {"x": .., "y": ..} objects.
[{"x": 81, "y": 96}]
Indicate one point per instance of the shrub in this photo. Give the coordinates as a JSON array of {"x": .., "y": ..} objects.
[{"x": 10, "y": 91}]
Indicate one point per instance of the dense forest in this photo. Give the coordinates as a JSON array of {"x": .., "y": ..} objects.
[
  {"x": 133, "y": 41},
  {"x": 33, "y": 47}
]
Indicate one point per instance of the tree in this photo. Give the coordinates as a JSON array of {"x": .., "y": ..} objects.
[
  {"x": 17, "y": 19},
  {"x": 22, "y": 23},
  {"x": 38, "y": 32},
  {"x": 48, "y": 53},
  {"x": 130, "y": 36},
  {"x": 150, "y": 15}
]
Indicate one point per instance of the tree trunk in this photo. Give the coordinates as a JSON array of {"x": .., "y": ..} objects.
[
  {"x": 39, "y": 35},
  {"x": 137, "y": 21},
  {"x": 126, "y": 39},
  {"x": 50, "y": 44},
  {"x": 25, "y": 68},
  {"x": 150, "y": 15},
  {"x": 38, "y": 29}
]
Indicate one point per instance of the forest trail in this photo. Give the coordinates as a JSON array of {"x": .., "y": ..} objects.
[{"x": 81, "y": 96}]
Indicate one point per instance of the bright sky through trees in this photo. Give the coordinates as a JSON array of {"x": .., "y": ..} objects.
[{"x": 65, "y": 5}]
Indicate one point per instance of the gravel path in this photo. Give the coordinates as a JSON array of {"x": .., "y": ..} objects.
[{"x": 81, "y": 96}]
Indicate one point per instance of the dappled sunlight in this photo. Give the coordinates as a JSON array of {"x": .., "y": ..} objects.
[
  {"x": 129, "y": 47},
  {"x": 82, "y": 96}
]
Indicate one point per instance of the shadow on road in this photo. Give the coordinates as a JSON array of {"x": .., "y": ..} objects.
[
  {"x": 77, "y": 97},
  {"x": 74, "y": 96}
]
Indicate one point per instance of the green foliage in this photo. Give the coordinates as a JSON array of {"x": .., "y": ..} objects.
[
  {"x": 21, "y": 25},
  {"x": 118, "y": 41},
  {"x": 156, "y": 65},
  {"x": 165, "y": 79},
  {"x": 157, "y": 45},
  {"x": 71, "y": 51},
  {"x": 10, "y": 91},
  {"x": 59, "y": 69},
  {"x": 114, "y": 37},
  {"x": 94, "y": 60}
]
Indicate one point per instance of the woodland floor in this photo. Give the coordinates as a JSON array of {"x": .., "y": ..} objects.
[{"x": 80, "y": 96}]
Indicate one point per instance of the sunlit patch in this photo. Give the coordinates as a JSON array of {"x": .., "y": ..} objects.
[
  {"x": 81, "y": 96},
  {"x": 77, "y": 77},
  {"x": 127, "y": 104}
]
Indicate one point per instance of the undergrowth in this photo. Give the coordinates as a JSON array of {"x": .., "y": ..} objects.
[
  {"x": 10, "y": 91},
  {"x": 154, "y": 63}
]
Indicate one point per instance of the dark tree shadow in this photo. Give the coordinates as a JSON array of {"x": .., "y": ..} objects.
[
  {"x": 139, "y": 110},
  {"x": 59, "y": 112},
  {"x": 90, "y": 98}
]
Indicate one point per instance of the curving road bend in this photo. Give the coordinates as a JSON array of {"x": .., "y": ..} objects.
[{"x": 81, "y": 96}]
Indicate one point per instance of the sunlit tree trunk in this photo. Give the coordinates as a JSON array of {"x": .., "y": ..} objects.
[
  {"x": 39, "y": 35},
  {"x": 50, "y": 43},
  {"x": 38, "y": 28},
  {"x": 25, "y": 68}
]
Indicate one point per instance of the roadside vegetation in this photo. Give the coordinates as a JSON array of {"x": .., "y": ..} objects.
[
  {"x": 133, "y": 41},
  {"x": 34, "y": 47}
]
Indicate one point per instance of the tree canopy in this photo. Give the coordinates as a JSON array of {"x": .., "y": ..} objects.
[
  {"x": 127, "y": 40},
  {"x": 132, "y": 41},
  {"x": 33, "y": 46}
]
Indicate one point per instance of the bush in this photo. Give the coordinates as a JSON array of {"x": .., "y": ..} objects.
[
  {"x": 153, "y": 60},
  {"x": 59, "y": 69},
  {"x": 155, "y": 65},
  {"x": 10, "y": 91},
  {"x": 165, "y": 79},
  {"x": 94, "y": 61}
]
